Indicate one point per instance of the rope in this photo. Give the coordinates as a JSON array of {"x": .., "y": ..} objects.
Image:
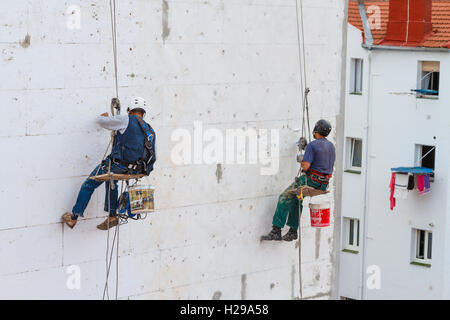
[
  {"x": 117, "y": 257},
  {"x": 109, "y": 263},
  {"x": 302, "y": 70},
  {"x": 427, "y": 153},
  {"x": 305, "y": 119},
  {"x": 300, "y": 255},
  {"x": 303, "y": 42},
  {"x": 107, "y": 237},
  {"x": 112, "y": 9},
  {"x": 299, "y": 49}
]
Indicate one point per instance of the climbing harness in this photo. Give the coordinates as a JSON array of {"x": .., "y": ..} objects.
[{"x": 148, "y": 157}]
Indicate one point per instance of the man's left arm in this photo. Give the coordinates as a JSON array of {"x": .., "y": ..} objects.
[{"x": 308, "y": 158}]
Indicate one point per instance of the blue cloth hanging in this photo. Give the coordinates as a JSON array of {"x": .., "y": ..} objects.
[{"x": 413, "y": 170}]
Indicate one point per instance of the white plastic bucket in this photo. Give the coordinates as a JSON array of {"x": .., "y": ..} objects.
[{"x": 320, "y": 214}]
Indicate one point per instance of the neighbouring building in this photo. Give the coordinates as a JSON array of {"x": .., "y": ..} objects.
[{"x": 396, "y": 115}]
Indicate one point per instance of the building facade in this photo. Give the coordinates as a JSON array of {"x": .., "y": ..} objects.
[{"x": 224, "y": 64}]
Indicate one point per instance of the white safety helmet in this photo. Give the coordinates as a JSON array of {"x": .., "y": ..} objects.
[{"x": 138, "y": 104}]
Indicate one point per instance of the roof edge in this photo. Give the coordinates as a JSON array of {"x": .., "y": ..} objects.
[{"x": 404, "y": 48}]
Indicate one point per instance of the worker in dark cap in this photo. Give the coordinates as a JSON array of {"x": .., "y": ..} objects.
[
  {"x": 133, "y": 152},
  {"x": 317, "y": 163}
]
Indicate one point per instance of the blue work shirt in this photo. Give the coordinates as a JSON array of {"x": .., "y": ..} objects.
[{"x": 321, "y": 154}]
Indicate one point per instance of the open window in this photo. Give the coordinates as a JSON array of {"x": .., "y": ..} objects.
[
  {"x": 428, "y": 79},
  {"x": 422, "y": 243},
  {"x": 356, "y": 75},
  {"x": 353, "y": 155},
  {"x": 425, "y": 157},
  {"x": 351, "y": 235}
]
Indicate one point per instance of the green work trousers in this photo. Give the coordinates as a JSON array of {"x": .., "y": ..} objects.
[{"x": 288, "y": 203}]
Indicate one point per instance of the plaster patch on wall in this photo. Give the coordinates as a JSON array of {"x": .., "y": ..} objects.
[
  {"x": 165, "y": 20},
  {"x": 219, "y": 172},
  {"x": 26, "y": 42},
  {"x": 292, "y": 281},
  {"x": 217, "y": 295},
  {"x": 317, "y": 242},
  {"x": 243, "y": 286}
]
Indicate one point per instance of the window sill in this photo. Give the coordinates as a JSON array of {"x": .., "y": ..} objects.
[
  {"x": 422, "y": 264},
  {"x": 350, "y": 251},
  {"x": 352, "y": 171},
  {"x": 356, "y": 93},
  {"x": 429, "y": 97}
]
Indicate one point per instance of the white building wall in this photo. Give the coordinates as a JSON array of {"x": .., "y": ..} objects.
[
  {"x": 353, "y": 184},
  {"x": 230, "y": 64},
  {"x": 398, "y": 121}
]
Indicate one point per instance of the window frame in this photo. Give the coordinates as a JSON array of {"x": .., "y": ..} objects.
[
  {"x": 421, "y": 77},
  {"x": 419, "y": 154},
  {"x": 356, "y": 76},
  {"x": 427, "y": 247},
  {"x": 350, "y": 153},
  {"x": 354, "y": 247}
]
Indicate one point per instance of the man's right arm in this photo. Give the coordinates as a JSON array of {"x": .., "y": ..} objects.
[{"x": 118, "y": 122}]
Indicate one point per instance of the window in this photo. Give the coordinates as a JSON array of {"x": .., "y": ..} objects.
[
  {"x": 422, "y": 247},
  {"x": 425, "y": 156},
  {"x": 354, "y": 155},
  {"x": 428, "y": 78},
  {"x": 356, "y": 72},
  {"x": 351, "y": 232}
]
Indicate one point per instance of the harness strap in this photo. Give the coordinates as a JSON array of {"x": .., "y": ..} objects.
[
  {"x": 149, "y": 144},
  {"x": 147, "y": 129},
  {"x": 319, "y": 177}
]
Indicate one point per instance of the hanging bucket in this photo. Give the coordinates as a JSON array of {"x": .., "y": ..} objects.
[
  {"x": 320, "y": 214},
  {"x": 141, "y": 199}
]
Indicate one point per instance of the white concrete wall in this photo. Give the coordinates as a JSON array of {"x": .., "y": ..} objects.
[
  {"x": 230, "y": 64},
  {"x": 398, "y": 121}
]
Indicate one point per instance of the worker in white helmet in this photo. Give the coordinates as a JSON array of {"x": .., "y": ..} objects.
[{"x": 133, "y": 152}]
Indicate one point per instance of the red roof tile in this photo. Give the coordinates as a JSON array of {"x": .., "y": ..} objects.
[{"x": 440, "y": 19}]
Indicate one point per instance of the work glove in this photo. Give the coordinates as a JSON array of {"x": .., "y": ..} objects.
[{"x": 299, "y": 157}]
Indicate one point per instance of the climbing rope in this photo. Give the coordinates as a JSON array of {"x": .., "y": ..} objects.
[
  {"x": 305, "y": 120},
  {"x": 302, "y": 70},
  {"x": 112, "y": 9},
  {"x": 114, "y": 104}
]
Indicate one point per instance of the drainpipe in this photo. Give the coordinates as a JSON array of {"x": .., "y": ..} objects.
[
  {"x": 366, "y": 176},
  {"x": 368, "y": 38}
]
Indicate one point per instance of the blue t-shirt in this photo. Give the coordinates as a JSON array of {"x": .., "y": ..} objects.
[{"x": 320, "y": 154}]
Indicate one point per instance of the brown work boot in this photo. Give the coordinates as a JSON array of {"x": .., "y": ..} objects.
[
  {"x": 67, "y": 218},
  {"x": 113, "y": 221}
]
